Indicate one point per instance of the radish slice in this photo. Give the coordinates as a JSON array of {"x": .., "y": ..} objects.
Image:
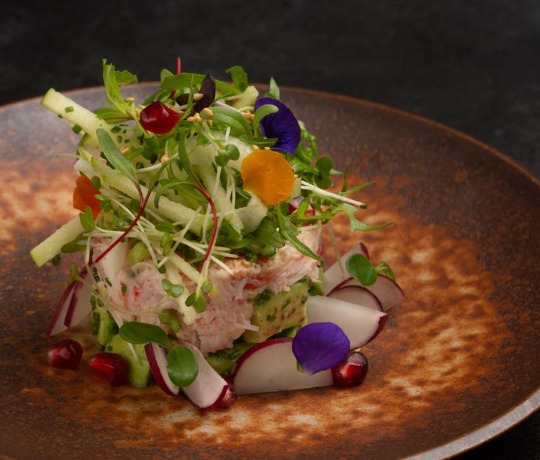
[
  {"x": 337, "y": 273},
  {"x": 358, "y": 295},
  {"x": 209, "y": 387},
  {"x": 113, "y": 262},
  {"x": 386, "y": 290},
  {"x": 74, "y": 306},
  {"x": 271, "y": 366},
  {"x": 157, "y": 358},
  {"x": 360, "y": 324},
  {"x": 79, "y": 305},
  {"x": 56, "y": 324}
]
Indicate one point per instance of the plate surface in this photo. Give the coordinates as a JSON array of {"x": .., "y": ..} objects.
[{"x": 455, "y": 365}]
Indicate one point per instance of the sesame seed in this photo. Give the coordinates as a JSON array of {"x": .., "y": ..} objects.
[
  {"x": 130, "y": 99},
  {"x": 124, "y": 150},
  {"x": 198, "y": 96},
  {"x": 208, "y": 111}
]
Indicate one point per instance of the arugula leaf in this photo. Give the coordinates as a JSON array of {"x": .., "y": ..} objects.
[
  {"x": 114, "y": 156},
  {"x": 289, "y": 231},
  {"x": 113, "y": 80},
  {"x": 354, "y": 222}
]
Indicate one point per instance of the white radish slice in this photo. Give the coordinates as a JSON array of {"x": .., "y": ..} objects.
[
  {"x": 209, "y": 387},
  {"x": 272, "y": 366},
  {"x": 358, "y": 295},
  {"x": 386, "y": 290},
  {"x": 113, "y": 262},
  {"x": 360, "y": 324},
  {"x": 157, "y": 358},
  {"x": 337, "y": 273},
  {"x": 74, "y": 306}
]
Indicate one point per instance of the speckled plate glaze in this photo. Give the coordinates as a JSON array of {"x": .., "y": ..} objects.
[{"x": 456, "y": 364}]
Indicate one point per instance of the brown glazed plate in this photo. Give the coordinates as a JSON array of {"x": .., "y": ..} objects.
[{"x": 456, "y": 364}]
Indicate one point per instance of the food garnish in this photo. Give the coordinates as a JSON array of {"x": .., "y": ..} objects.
[{"x": 201, "y": 268}]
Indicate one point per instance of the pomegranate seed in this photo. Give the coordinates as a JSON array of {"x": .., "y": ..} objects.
[
  {"x": 158, "y": 118},
  {"x": 65, "y": 354},
  {"x": 111, "y": 367},
  {"x": 352, "y": 371},
  {"x": 228, "y": 399}
]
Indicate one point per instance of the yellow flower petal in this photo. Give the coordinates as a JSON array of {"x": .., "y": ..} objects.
[{"x": 268, "y": 175}]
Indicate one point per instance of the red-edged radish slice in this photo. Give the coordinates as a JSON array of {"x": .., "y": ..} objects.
[
  {"x": 360, "y": 324},
  {"x": 337, "y": 273},
  {"x": 157, "y": 358},
  {"x": 386, "y": 290},
  {"x": 79, "y": 306},
  {"x": 74, "y": 306},
  {"x": 209, "y": 387},
  {"x": 271, "y": 366},
  {"x": 358, "y": 295}
]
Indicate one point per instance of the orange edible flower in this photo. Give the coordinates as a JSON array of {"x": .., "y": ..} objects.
[
  {"x": 268, "y": 175},
  {"x": 84, "y": 195}
]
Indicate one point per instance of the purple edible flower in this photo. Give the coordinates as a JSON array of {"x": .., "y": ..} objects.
[
  {"x": 320, "y": 346},
  {"x": 282, "y": 125}
]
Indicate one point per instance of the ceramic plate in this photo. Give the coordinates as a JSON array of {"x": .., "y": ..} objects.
[{"x": 456, "y": 364}]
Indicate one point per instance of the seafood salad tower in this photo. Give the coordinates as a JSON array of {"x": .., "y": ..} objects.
[{"x": 201, "y": 212}]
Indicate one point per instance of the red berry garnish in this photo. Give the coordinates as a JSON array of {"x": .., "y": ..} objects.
[
  {"x": 111, "y": 367},
  {"x": 158, "y": 118},
  {"x": 352, "y": 371},
  {"x": 65, "y": 354}
]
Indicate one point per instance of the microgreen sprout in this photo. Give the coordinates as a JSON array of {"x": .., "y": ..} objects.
[
  {"x": 181, "y": 363},
  {"x": 363, "y": 270}
]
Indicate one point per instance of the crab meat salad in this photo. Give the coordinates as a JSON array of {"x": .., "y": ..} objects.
[{"x": 201, "y": 268}]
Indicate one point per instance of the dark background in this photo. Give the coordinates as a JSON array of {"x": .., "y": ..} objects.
[{"x": 472, "y": 65}]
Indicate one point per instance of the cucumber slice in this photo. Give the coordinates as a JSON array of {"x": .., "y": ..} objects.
[{"x": 52, "y": 245}]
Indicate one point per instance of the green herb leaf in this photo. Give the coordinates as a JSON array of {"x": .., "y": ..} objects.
[
  {"x": 87, "y": 219},
  {"x": 361, "y": 268},
  {"x": 289, "y": 231},
  {"x": 135, "y": 332},
  {"x": 174, "y": 290},
  {"x": 238, "y": 76},
  {"x": 273, "y": 90},
  {"x": 234, "y": 119},
  {"x": 113, "y": 79},
  {"x": 354, "y": 222},
  {"x": 384, "y": 269},
  {"x": 261, "y": 112},
  {"x": 114, "y": 156},
  {"x": 197, "y": 301},
  {"x": 182, "y": 366}
]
